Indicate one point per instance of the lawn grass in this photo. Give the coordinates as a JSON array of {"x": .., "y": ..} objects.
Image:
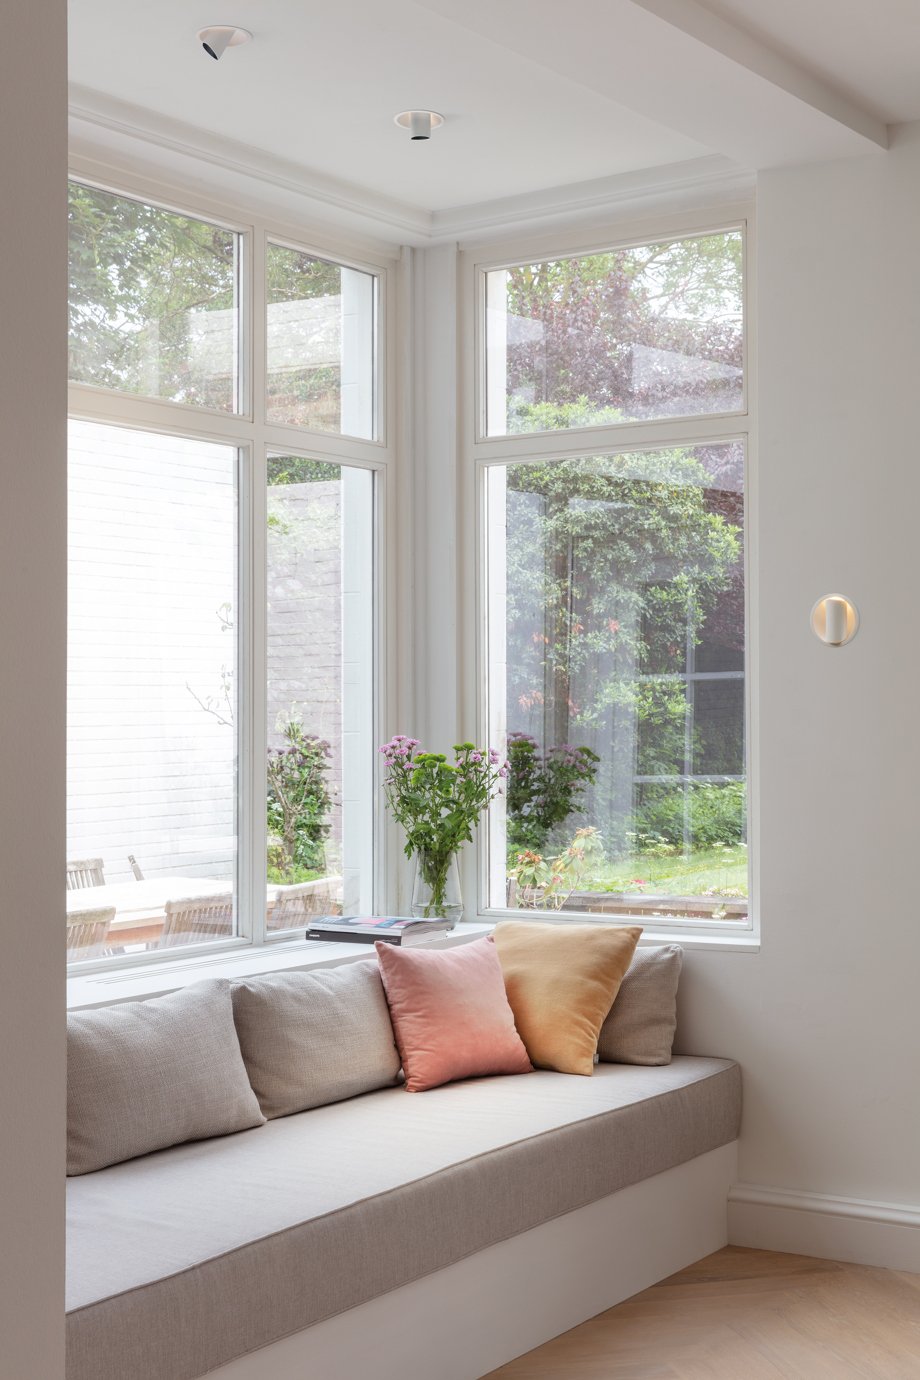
[{"x": 718, "y": 869}]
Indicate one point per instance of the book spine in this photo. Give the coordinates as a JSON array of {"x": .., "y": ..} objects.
[{"x": 349, "y": 937}]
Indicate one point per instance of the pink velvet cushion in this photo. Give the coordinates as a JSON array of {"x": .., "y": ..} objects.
[{"x": 450, "y": 1013}]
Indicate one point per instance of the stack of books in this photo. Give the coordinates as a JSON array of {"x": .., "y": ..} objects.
[{"x": 365, "y": 929}]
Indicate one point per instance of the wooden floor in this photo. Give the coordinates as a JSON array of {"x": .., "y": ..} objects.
[{"x": 746, "y": 1315}]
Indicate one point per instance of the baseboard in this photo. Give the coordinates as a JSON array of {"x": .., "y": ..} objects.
[{"x": 854, "y": 1229}]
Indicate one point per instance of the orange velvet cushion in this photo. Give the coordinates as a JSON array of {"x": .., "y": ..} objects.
[
  {"x": 561, "y": 981},
  {"x": 450, "y": 1013}
]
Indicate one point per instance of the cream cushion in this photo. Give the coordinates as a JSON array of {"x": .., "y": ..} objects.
[
  {"x": 643, "y": 1018},
  {"x": 180, "y": 1262},
  {"x": 561, "y": 981},
  {"x": 313, "y": 1038},
  {"x": 147, "y": 1074}
]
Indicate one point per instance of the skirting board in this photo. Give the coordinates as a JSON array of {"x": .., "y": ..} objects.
[
  {"x": 853, "y": 1229},
  {"x": 468, "y": 1319}
]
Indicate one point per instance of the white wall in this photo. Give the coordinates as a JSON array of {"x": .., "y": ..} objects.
[
  {"x": 33, "y": 134},
  {"x": 826, "y": 1019}
]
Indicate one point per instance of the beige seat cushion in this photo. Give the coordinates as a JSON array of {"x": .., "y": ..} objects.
[
  {"x": 561, "y": 981},
  {"x": 316, "y": 1037},
  {"x": 148, "y": 1074},
  {"x": 641, "y": 1024},
  {"x": 180, "y": 1261}
]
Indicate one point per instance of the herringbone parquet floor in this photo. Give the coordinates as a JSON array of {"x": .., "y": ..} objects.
[{"x": 746, "y": 1315}]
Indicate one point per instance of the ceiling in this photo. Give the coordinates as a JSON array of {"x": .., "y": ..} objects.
[{"x": 536, "y": 93}]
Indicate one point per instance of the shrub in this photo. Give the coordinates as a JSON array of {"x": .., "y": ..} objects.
[
  {"x": 543, "y": 790},
  {"x": 299, "y": 801},
  {"x": 717, "y": 815}
]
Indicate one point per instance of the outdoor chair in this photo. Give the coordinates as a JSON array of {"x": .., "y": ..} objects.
[
  {"x": 296, "y": 905},
  {"x": 85, "y": 872},
  {"x": 87, "y": 931},
  {"x": 208, "y": 917}
]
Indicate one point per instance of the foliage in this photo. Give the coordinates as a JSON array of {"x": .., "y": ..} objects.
[
  {"x": 142, "y": 281},
  {"x": 715, "y": 816},
  {"x": 138, "y": 275},
  {"x": 438, "y": 803},
  {"x": 548, "y": 883},
  {"x": 283, "y": 875},
  {"x": 300, "y": 469},
  {"x": 579, "y": 325},
  {"x": 299, "y": 801},
  {"x": 612, "y": 561},
  {"x": 544, "y": 790}
]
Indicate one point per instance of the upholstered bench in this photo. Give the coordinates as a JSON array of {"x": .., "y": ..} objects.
[{"x": 399, "y": 1235}]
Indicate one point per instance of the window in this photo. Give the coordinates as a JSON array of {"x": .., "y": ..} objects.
[
  {"x": 222, "y": 586},
  {"x": 154, "y": 301},
  {"x": 614, "y": 595},
  {"x": 320, "y": 344},
  {"x": 647, "y": 331}
]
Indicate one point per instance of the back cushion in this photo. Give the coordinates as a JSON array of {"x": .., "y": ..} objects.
[
  {"x": 148, "y": 1074},
  {"x": 317, "y": 1037},
  {"x": 641, "y": 1024}
]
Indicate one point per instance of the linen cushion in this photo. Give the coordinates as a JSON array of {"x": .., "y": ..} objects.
[
  {"x": 181, "y": 1261},
  {"x": 641, "y": 1024},
  {"x": 561, "y": 981},
  {"x": 450, "y": 1013},
  {"x": 312, "y": 1038},
  {"x": 148, "y": 1074}
]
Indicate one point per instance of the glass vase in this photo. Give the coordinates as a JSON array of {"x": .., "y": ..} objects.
[{"x": 436, "y": 889}]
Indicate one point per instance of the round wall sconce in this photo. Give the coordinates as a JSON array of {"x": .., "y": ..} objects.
[{"x": 835, "y": 620}]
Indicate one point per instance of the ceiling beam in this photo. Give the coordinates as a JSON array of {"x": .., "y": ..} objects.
[
  {"x": 742, "y": 48},
  {"x": 677, "y": 63}
]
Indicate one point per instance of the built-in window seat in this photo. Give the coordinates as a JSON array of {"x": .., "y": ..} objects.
[{"x": 498, "y": 1211}]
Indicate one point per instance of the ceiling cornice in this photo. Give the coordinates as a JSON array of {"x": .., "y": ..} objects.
[
  {"x": 670, "y": 186},
  {"x": 93, "y": 112},
  {"x": 103, "y": 128}
]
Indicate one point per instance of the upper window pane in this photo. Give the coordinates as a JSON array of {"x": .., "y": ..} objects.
[
  {"x": 154, "y": 301},
  {"x": 628, "y": 335},
  {"x": 321, "y": 344}
]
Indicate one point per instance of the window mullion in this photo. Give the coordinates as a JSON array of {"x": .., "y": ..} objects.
[{"x": 252, "y": 643}]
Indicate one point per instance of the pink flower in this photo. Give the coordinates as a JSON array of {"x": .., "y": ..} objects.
[{"x": 475, "y": 756}]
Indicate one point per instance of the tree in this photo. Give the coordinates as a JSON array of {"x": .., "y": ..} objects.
[
  {"x": 614, "y": 563},
  {"x": 635, "y": 329},
  {"x": 142, "y": 278}
]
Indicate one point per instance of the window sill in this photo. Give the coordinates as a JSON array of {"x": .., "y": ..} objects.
[{"x": 104, "y": 988}]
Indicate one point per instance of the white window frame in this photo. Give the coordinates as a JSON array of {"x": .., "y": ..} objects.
[
  {"x": 479, "y": 452},
  {"x": 254, "y": 440}
]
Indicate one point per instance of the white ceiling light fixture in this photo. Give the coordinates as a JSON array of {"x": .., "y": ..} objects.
[
  {"x": 419, "y": 123},
  {"x": 216, "y": 39}
]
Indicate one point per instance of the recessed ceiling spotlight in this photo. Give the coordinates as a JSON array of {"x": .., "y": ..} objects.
[
  {"x": 419, "y": 123},
  {"x": 219, "y": 37}
]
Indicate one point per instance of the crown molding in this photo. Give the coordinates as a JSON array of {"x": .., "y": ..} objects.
[
  {"x": 104, "y": 129},
  {"x": 100, "y": 123},
  {"x": 671, "y": 186}
]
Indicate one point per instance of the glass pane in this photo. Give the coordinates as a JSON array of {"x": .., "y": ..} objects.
[
  {"x": 608, "y": 576},
  {"x": 154, "y": 301},
  {"x": 151, "y": 817},
  {"x": 621, "y": 336},
  {"x": 321, "y": 344},
  {"x": 320, "y": 690}
]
